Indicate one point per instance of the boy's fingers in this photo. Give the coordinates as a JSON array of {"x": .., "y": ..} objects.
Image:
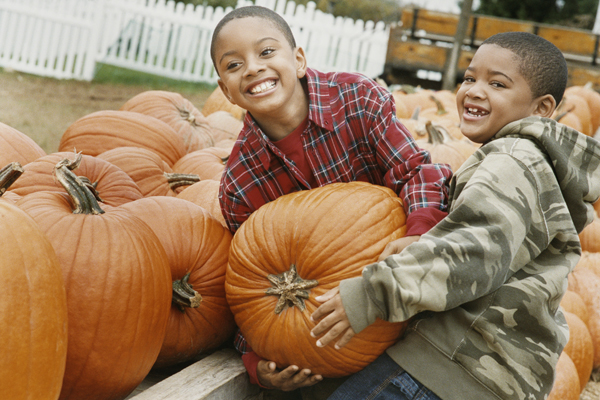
[
  {"x": 328, "y": 295},
  {"x": 349, "y": 334},
  {"x": 336, "y": 330},
  {"x": 322, "y": 310}
]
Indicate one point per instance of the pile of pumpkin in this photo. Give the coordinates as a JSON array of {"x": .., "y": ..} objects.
[
  {"x": 116, "y": 250},
  {"x": 114, "y": 247}
]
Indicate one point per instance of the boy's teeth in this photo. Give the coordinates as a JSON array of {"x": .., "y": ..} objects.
[{"x": 262, "y": 87}]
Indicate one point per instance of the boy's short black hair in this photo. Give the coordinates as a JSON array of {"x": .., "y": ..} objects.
[
  {"x": 252, "y": 11},
  {"x": 542, "y": 64}
]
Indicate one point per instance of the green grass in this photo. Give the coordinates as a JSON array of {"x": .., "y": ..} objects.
[{"x": 109, "y": 74}]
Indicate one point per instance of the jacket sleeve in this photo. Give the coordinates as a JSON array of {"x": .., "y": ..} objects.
[{"x": 470, "y": 253}]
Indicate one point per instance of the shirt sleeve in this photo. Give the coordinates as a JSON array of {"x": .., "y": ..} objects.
[{"x": 408, "y": 169}]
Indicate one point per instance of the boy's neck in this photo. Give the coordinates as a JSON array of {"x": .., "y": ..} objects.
[{"x": 277, "y": 127}]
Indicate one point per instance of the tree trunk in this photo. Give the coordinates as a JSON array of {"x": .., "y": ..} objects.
[{"x": 449, "y": 80}]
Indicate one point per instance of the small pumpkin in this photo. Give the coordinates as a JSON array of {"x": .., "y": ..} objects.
[
  {"x": 298, "y": 247},
  {"x": 207, "y": 163},
  {"x": 217, "y": 101},
  {"x": 224, "y": 125},
  {"x": 590, "y": 237},
  {"x": 444, "y": 148},
  {"x": 205, "y": 194},
  {"x": 151, "y": 173}
]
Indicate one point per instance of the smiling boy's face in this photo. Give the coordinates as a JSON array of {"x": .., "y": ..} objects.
[
  {"x": 494, "y": 93},
  {"x": 259, "y": 70}
]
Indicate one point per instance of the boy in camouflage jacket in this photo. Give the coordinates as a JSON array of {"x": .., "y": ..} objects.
[{"x": 483, "y": 287}]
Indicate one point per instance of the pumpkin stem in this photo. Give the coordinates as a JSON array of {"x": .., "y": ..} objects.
[
  {"x": 184, "y": 294},
  {"x": 437, "y": 135},
  {"x": 291, "y": 289},
  {"x": 441, "y": 110},
  {"x": 225, "y": 159},
  {"x": 83, "y": 199},
  {"x": 8, "y": 175},
  {"x": 176, "y": 180}
]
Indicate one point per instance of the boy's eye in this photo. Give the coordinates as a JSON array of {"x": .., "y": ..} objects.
[
  {"x": 468, "y": 79},
  {"x": 497, "y": 84},
  {"x": 267, "y": 51},
  {"x": 232, "y": 65}
]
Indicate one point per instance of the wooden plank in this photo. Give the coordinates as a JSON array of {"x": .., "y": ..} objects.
[
  {"x": 220, "y": 376},
  {"x": 412, "y": 55},
  {"x": 571, "y": 41},
  {"x": 487, "y": 26}
]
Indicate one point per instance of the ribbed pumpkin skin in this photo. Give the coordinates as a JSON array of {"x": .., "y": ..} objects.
[
  {"x": 33, "y": 310},
  {"x": 590, "y": 237},
  {"x": 580, "y": 347},
  {"x": 178, "y": 112},
  {"x": 114, "y": 186},
  {"x": 329, "y": 234},
  {"x": 118, "y": 289},
  {"x": 198, "y": 244},
  {"x": 207, "y": 163},
  {"x": 144, "y": 166},
  {"x": 566, "y": 381},
  {"x": 573, "y": 303},
  {"x": 15, "y": 146},
  {"x": 587, "y": 284},
  {"x": 100, "y": 131},
  {"x": 218, "y": 102},
  {"x": 205, "y": 194}
]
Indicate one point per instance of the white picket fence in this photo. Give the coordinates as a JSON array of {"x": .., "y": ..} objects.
[{"x": 65, "y": 39}]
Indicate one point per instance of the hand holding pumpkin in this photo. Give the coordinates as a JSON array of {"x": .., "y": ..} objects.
[
  {"x": 290, "y": 378},
  {"x": 335, "y": 321}
]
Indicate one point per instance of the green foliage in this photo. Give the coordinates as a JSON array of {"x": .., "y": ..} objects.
[
  {"x": 120, "y": 76},
  {"x": 545, "y": 11}
]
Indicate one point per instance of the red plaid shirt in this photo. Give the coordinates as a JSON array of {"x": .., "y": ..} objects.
[{"x": 352, "y": 135}]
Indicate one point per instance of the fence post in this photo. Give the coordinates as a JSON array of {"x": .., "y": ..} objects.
[{"x": 91, "y": 56}]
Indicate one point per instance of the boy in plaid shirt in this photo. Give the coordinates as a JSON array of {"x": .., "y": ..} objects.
[{"x": 304, "y": 129}]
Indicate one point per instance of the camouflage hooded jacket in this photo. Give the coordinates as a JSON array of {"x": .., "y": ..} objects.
[{"x": 483, "y": 286}]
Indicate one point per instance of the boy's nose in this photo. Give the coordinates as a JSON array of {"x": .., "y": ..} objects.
[
  {"x": 475, "y": 91},
  {"x": 253, "y": 67}
]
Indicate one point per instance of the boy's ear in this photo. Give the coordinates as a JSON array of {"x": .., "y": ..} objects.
[
  {"x": 225, "y": 91},
  {"x": 300, "y": 62},
  {"x": 546, "y": 105}
]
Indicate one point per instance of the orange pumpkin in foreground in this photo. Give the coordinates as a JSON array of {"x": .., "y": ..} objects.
[
  {"x": 118, "y": 288},
  {"x": 312, "y": 239},
  {"x": 33, "y": 308}
]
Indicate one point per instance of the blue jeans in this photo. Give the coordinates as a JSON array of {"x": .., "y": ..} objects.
[{"x": 383, "y": 379}]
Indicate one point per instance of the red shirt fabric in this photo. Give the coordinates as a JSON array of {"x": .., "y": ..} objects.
[{"x": 351, "y": 134}]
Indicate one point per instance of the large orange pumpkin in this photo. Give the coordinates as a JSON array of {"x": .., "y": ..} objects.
[
  {"x": 580, "y": 347},
  {"x": 103, "y": 130},
  {"x": 17, "y": 147},
  {"x": 298, "y": 247},
  {"x": 118, "y": 287},
  {"x": 218, "y": 102},
  {"x": 113, "y": 185},
  {"x": 176, "y": 111},
  {"x": 586, "y": 283},
  {"x": 566, "y": 381},
  {"x": 33, "y": 308},
  {"x": 197, "y": 246}
]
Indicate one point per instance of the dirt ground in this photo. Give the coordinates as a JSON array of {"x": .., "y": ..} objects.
[{"x": 43, "y": 108}]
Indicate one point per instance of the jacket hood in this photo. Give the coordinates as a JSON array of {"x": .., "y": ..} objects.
[{"x": 574, "y": 156}]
